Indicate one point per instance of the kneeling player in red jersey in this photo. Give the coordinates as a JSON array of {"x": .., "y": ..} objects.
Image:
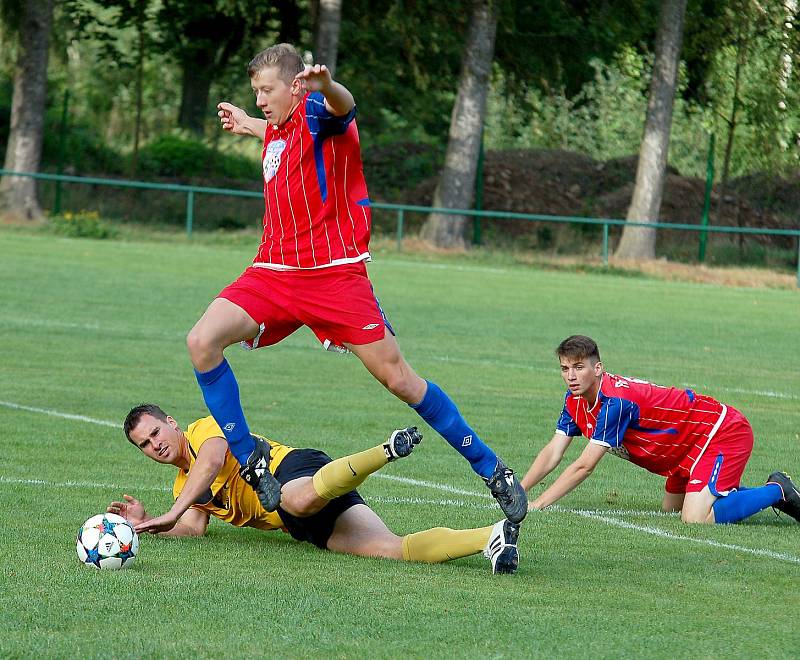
[
  {"x": 319, "y": 503},
  {"x": 699, "y": 444}
]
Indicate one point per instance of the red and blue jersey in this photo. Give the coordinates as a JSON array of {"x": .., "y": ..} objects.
[
  {"x": 662, "y": 429},
  {"x": 316, "y": 205}
]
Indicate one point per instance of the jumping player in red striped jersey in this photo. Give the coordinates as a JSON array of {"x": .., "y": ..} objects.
[
  {"x": 310, "y": 270},
  {"x": 700, "y": 445}
]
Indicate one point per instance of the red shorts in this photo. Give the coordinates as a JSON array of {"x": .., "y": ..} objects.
[
  {"x": 337, "y": 303},
  {"x": 731, "y": 446}
]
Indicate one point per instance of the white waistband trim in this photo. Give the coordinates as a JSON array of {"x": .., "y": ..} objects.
[{"x": 365, "y": 256}]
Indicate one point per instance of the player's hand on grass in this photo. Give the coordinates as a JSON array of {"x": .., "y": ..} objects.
[
  {"x": 232, "y": 118},
  {"x": 158, "y": 524},
  {"x": 316, "y": 78},
  {"x": 131, "y": 509}
]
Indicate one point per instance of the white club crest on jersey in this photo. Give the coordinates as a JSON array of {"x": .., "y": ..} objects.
[{"x": 272, "y": 158}]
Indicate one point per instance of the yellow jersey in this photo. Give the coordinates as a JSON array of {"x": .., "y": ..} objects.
[{"x": 229, "y": 498}]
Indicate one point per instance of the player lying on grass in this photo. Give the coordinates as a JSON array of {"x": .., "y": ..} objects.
[
  {"x": 700, "y": 445},
  {"x": 319, "y": 503}
]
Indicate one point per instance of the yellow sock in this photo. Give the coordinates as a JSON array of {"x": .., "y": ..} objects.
[
  {"x": 347, "y": 473},
  {"x": 441, "y": 544}
]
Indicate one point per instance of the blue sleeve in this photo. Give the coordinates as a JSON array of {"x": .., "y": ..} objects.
[
  {"x": 613, "y": 420},
  {"x": 321, "y": 123},
  {"x": 567, "y": 425}
]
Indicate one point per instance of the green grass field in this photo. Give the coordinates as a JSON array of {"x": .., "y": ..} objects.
[{"x": 90, "y": 328}]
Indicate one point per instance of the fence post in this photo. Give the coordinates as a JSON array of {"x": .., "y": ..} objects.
[
  {"x": 399, "y": 230},
  {"x": 189, "y": 212},
  {"x": 707, "y": 199},
  {"x": 605, "y": 244}
]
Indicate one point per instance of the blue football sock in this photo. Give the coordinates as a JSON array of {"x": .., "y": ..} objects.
[
  {"x": 221, "y": 394},
  {"x": 743, "y": 503},
  {"x": 438, "y": 410}
]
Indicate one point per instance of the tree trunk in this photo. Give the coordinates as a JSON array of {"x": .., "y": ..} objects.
[
  {"x": 215, "y": 38},
  {"x": 198, "y": 74},
  {"x": 326, "y": 45},
  {"x": 640, "y": 242},
  {"x": 24, "y": 149},
  {"x": 456, "y": 187}
]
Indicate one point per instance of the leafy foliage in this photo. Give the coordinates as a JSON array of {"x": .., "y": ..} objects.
[
  {"x": 86, "y": 224},
  {"x": 174, "y": 156}
]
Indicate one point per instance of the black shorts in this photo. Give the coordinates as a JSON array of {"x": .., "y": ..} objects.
[{"x": 316, "y": 529}]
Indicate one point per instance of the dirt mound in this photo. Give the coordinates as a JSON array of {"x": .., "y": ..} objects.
[{"x": 555, "y": 182}]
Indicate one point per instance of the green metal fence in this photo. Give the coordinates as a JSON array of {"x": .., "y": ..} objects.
[{"x": 402, "y": 209}]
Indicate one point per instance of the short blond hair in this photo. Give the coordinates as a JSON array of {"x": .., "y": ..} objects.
[{"x": 284, "y": 57}]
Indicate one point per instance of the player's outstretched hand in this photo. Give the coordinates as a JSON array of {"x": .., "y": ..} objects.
[
  {"x": 131, "y": 509},
  {"x": 232, "y": 118},
  {"x": 315, "y": 78},
  {"x": 158, "y": 524}
]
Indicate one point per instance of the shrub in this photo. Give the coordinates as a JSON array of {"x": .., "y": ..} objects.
[
  {"x": 84, "y": 224},
  {"x": 172, "y": 155}
]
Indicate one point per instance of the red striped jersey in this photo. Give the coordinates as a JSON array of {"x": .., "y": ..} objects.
[
  {"x": 662, "y": 429},
  {"x": 316, "y": 205}
]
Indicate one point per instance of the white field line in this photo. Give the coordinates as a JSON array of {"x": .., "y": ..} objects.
[
  {"x": 62, "y": 415},
  {"x": 678, "y": 537},
  {"x": 599, "y": 515},
  {"x": 428, "y": 484},
  {"x": 81, "y": 484}
]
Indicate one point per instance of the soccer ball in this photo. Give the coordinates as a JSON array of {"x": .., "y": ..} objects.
[{"x": 107, "y": 541}]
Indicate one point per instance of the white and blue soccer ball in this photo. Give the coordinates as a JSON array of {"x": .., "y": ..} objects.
[{"x": 107, "y": 541}]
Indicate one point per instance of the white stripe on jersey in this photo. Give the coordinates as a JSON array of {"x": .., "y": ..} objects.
[
  {"x": 267, "y": 214},
  {"x": 366, "y": 219},
  {"x": 291, "y": 206},
  {"x": 347, "y": 204},
  {"x": 661, "y": 421},
  {"x": 305, "y": 199},
  {"x": 336, "y": 199},
  {"x": 280, "y": 219}
]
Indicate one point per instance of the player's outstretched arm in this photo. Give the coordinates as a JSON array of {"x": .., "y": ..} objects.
[
  {"x": 237, "y": 121},
  {"x": 338, "y": 99},
  {"x": 572, "y": 476},
  {"x": 209, "y": 461},
  {"x": 546, "y": 460}
]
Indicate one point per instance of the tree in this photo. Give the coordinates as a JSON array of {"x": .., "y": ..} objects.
[
  {"x": 204, "y": 37},
  {"x": 640, "y": 242},
  {"x": 456, "y": 186},
  {"x": 24, "y": 148},
  {"x": 326, "y": 42},
  {"x": 107, "y": 31}
]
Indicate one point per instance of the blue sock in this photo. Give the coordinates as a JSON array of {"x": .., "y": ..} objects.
[
  {"x": 441, "y": 413},
  {"x": 743, "y": 503},
  {"x": 221, "y": 394}
]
